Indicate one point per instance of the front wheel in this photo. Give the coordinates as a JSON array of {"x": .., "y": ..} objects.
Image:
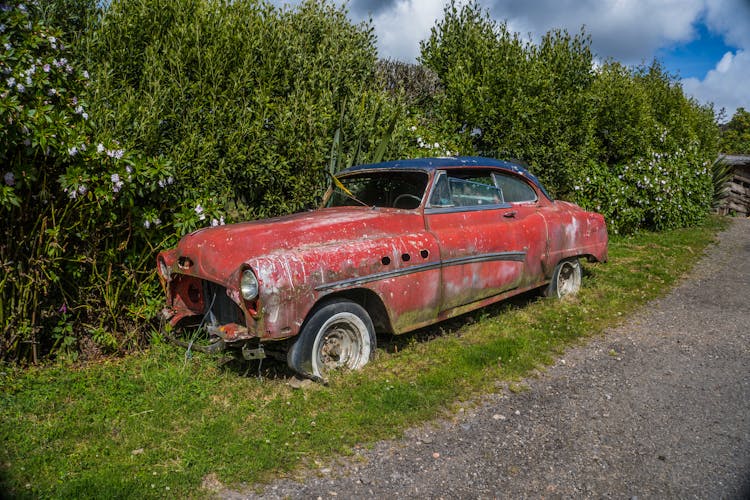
[
  {"x": 566, "y": 279},
  {"x": 339, "y": 334}
]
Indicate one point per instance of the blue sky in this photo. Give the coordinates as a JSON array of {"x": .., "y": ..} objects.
[
  {"x": 705, "y": 42},
  {"x": 697, "y": 57}
]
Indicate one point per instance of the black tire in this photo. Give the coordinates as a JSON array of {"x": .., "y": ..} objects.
[
  {"x": 566, "y": 279},
  {"x": 337, "y": 334}
]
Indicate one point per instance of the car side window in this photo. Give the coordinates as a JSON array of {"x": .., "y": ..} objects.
[
  {"x": 514, "y": 189},
  {"x": 441, "y": 193},
  {"x": 465, "y": 190}
]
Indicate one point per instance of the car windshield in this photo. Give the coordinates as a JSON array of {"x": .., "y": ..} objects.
[{"x": 387, "y": 189}]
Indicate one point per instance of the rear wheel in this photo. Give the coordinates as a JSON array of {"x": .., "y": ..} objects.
[
  {"x": 338, "y": 334},
  {"x": 566, "y": 279}
]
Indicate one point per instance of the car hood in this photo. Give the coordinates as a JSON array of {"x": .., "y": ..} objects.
[{"x": 217, "y": 253}]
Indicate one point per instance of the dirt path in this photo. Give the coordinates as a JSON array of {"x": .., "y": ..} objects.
[{"x": 657, "y": 408}]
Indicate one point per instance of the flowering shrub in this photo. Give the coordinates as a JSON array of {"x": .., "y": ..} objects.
[
  {"x": 77, "y": 207},
  {"x": 659, "y": 191}
]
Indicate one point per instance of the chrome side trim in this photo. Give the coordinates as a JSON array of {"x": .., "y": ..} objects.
[{"x": 488, "y": 257}]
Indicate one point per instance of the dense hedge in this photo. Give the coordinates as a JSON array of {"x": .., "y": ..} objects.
[{"x": 165, "y": 116}]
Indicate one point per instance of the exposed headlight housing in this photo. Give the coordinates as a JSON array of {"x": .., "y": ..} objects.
[{"x": 248, "y": 285}]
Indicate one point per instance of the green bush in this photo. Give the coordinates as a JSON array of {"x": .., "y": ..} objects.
[
  {"x": 70, "y": 252},
  {"x": 242, "y": 97},
  {"x": 516, "y": 100},
  {"x": 735, "y": 134},
  {"x": 654, "y": 151}
]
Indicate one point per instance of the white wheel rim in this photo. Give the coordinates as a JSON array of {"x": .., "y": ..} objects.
[
  {"x": 568, "y": 279},
  {"x": 343, "y": 341}
]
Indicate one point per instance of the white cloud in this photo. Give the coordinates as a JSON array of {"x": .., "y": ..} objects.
[
  {"x": 627, "y": 30},
  {"x": 725, "y": 86},
  {"x": 726, "y": 63},
  {"x": 401, "y": 28},
  {"x": 732, "y": 19}
]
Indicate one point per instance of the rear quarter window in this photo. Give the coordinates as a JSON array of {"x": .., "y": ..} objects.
[{"x": 514, "y": 190}]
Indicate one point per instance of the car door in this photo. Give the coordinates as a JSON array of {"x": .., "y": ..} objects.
[
  {"x": 481, "y": 238},
  {"x": 532, "y": 210}
]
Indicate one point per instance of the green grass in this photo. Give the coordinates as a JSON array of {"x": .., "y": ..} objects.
[{"x": 157, "y": 423}]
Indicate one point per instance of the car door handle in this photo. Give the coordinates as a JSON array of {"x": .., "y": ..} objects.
[{"x": 511, "y": 214}]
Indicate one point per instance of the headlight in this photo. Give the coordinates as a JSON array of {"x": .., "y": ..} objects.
[{"x": 248, "y": 285}]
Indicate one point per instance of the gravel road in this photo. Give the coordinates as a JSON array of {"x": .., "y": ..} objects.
[{"x": 656, "y": 408}]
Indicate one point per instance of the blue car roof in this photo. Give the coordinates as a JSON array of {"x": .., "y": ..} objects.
[{"x": 429, "y": 164}]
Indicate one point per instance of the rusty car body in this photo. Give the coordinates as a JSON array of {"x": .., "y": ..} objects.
[{"x": 395, "y": 247}]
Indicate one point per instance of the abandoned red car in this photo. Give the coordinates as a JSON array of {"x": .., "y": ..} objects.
[{"x": 396, "y": 246}]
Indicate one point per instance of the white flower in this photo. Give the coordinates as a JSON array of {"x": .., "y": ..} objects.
[
  {"x": 20, "y": 87},
  {"x": 129, "y": 169},
  {"x": 85, "y": 74},
  {"x": 82, "y": 189},
  {"x": 100, "y": 148},
  {"x": 436, "y": 145},
  {"x": 214, "y": 222},
  {"x": 170, "y": 180},
  {"x": 9, "y": 178},
  {"x": 115, "y": 153},
  {"x": 147, "y": 224},
  {"x": 198, "y": 209},
  {"x": 72, "y": 151},
  {"x": 8, "y": 46},
  {"x": 85, "y": 115},
  {"x": 413, "y": 128},
  {"x": 116, "y": 182},
  {"x": 11, "y": 81}
]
